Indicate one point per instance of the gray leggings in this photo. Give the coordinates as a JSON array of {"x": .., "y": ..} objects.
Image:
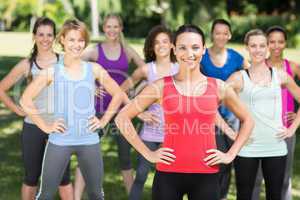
[
  {"x": 142, "y": 171},
  {"x": 55, "y": 161},
  {"x": 287, "y": 182}
]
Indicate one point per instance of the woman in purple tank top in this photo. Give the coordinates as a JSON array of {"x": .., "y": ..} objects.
[
  {"x": 277, "y": 37},
  {"x": 160, "y": 63},
  {"x": 114, "y": 55}
]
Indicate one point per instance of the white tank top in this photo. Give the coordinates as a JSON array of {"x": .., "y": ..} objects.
[{"x": 265, "y": 105}]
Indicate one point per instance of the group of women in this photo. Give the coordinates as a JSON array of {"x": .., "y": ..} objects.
[{"x": 189, "y": 90}]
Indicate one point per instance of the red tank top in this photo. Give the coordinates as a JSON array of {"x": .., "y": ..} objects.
[{"x": 189, "y": 128}]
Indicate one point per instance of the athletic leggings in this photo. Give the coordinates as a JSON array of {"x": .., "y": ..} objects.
[
  {"x": 55, "y": 161},
  {"x": 173, "y": 186},
  {"x": 224, "y": 144},
  {"x": 143, "y": 168},
  {"x": 273, "y": 173},
  {"x": 123, "y": 146},
  {"x": 33, "y": 142},
  {"x": 287, "y": 181}
]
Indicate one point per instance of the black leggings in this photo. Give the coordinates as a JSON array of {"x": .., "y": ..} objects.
[
  {"x": 273, "y": 173},
  {"x": 173, "y": 186},
  {"x": 33, "y": 142},
  {"x": 123, "y": 145}
]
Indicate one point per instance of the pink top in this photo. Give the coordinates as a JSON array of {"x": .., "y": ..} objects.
[{"x": 287, "y": 97}]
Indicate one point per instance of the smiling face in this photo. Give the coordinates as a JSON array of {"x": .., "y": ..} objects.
[
  {"x": 221, "y": 35},
  {"x": 257, "y": 47},
  {"x": 112, "y": 28},
  {"x": 162, "y": 45},
  {"x": 189, "y": 50},
  {"x": 73, "y": 43},
  {"x": 276, "y": 43},
  {"x": 44, "y": 37}
]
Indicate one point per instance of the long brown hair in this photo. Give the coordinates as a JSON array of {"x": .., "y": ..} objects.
[{"x": 42, "y": 21}]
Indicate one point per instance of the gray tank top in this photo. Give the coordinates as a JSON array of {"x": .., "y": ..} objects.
[{"x": 44, "y": 101}]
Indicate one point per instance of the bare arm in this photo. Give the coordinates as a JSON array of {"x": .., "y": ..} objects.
[
  {"x": 246, "y": 64},
  {"x": 31, "y": 92},
  {"x": 236, "y": 82},
  {"x": 290, "y": 84},
  {"x": 139, "y": 74},
  {"x": 231, "y": 101},
  {"x": 296, "y": 69},
  {"x": 134, "y": 57},
  {"x": 19, "y": 71},
  {"x": 151, "y": 94},
  {"x": 90, "y": 54},
  {"x": 113, "y": 89}
]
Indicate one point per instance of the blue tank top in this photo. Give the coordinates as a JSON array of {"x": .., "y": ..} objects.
[
  {"x": 74, "y": 102},
  {"x": 234, "y": 62}
]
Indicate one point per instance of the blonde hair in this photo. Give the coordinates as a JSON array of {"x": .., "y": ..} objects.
[
  {"x": 120, "y": 21},
  {"x": 73, "y": 24},
  {"x": 253, "y": 32}
]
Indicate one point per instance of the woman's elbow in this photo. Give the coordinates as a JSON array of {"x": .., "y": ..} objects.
[
  {"x": 22, "y": 102},
  {"x": 120, "y": 119}
]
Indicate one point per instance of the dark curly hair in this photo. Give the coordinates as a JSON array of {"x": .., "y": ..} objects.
[{"x": 149, "y": 43}]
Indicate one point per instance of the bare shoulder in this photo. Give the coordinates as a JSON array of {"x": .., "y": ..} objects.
[
  {"x": 236, "y": 76},
  {"x": 90, "y": 53},
  {"x": 295, "y": 67},
  {"x": 23, "y": 65}
]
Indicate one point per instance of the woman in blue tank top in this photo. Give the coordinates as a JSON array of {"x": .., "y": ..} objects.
[
  {"x": 75, "y": 124},
  {"x": 220, "y": 62}
]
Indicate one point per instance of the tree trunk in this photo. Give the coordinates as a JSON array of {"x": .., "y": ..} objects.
[
  {"x": 95, "y": 18},
  {"x": 68, "y": 7}
]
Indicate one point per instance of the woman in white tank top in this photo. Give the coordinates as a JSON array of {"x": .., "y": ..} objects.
[{"x": 259, "y": 88}]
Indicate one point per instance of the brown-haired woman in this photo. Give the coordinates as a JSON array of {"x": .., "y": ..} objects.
[{"x": 34, "y": 139}]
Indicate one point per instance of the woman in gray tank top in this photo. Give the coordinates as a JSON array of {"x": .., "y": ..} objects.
[{"x": 34, "y": 139}]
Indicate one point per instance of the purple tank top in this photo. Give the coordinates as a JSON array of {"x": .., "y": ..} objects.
[
  {"x": 117, "y": 69},
  {"x": 155, "y": 133},
  {"x": 287, "y": 97}
]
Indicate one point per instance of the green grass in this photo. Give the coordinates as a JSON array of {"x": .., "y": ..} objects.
[{"x": 14, "y": 45}]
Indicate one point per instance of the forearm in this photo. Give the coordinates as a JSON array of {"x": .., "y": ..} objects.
[
  {"x": 8, "y": 102},
  {"x": 242, "y": 137},
  {"x": 113, "y": 107},
  {"x": 127, "y": 84}
]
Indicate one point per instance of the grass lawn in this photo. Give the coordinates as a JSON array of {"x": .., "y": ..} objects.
[{"x": 14, "y": 45}]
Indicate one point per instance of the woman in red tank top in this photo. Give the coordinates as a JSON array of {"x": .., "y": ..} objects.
[{"x": 187, "y": 162}]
